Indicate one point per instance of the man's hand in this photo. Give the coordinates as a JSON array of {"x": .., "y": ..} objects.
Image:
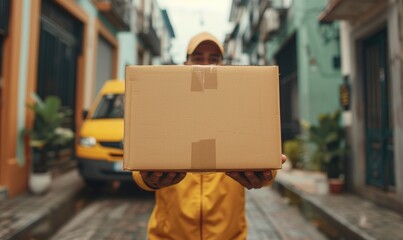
[
  {"x": 157, "y": 180},
  {"x": 253, "y": 179}
]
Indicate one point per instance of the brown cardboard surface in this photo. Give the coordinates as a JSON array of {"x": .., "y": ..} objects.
[{"x": 202, "y": 118}]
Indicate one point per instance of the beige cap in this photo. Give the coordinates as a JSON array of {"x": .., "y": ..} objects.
[{"x": 202, "y": 37}]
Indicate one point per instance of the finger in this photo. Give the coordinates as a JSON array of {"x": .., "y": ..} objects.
[
  {"x": 179, "y": 177},
  {"x": 283, "y": 158},
  {"x": 144, "y": 174},
  {"x": 166, "y": 179},
  {"x": 155, "y": 177},
  {"x": 150, "y": 178},
  {"x": 267, "y": 175},
  {"x": 253, "y": 179},
  {"x": 240, "y": 178}
]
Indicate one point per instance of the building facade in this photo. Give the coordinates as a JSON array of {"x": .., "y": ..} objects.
[
  {"x": 319, "y": 46},
  {"x": 67, "y": 48},
  {"x": 154, "y": 32},
  {"x": 371, "y": 47},
  {"x": 287, "y": 33}
]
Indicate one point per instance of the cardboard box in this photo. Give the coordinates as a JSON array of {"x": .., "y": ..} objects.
[{"x": 202, "y": 118}]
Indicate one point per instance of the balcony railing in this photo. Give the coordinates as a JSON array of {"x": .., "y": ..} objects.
[
  {"x": 251, "y": 35},
  {"x": 147, "y": 34},
  {"x": 118, "y": 12}
]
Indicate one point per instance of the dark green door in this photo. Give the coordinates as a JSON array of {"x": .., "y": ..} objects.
[
  {"x": 378, "y": 114},
  {"x": 286, "y": 59}
]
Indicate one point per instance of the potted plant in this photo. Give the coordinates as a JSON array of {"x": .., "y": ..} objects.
[
  {"x": 47, "y": 131},
  {"x": 328, "y": 138},
  {"x": 293, "y": 149}
]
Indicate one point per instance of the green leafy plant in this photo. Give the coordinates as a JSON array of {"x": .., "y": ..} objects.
[
  {"x": 293, "y": 150},
  {"x": 328, "y": 137},
  {"x": 47, "y": 130}
]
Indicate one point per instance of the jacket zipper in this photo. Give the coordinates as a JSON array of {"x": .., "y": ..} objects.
[{"x": 201, "y": 207}]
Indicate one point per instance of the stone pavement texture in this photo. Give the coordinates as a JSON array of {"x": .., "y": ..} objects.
[
  {"x": 270, "y": 216},
  {"x": 109, "y": 219},
  {"x": 266, "y": 209},
  {"x": 352, "y": 217},
  {"x": 28, "y": 214}
]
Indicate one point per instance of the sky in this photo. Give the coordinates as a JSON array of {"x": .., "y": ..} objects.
[{"x": 189, "y": 17}]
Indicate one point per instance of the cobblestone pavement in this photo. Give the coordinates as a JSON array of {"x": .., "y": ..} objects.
[
  {"x": 23, "y": 214},
  {"x": 110, "y": 219},
  {"x": 269, "y": 217}
]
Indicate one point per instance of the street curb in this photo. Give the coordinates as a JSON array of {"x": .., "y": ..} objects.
[{"x": 341, "y": 227}]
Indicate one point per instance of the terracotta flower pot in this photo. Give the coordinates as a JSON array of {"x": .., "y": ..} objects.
[{"x": 336, "y": 186}]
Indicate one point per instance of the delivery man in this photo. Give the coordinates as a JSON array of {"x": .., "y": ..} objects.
[{"x": 201, "y": 205}]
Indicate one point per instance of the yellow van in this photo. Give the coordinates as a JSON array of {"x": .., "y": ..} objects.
[{"x": 99, "y": 151}]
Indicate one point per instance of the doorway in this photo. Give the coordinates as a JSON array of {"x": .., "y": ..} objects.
[
  {"x": 286, "y": 60},
  {"x": 378, "y": 115},
  {"x": 59, "y": 48}
]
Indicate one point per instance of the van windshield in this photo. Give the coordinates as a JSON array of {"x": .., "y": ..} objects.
[{"x": 110, "y": 106}]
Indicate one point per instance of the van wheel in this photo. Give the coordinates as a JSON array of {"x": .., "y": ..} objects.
[{"x": 96, "y": 185}]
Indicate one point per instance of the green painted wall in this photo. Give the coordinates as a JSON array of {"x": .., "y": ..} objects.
[
  {"x": 88, "y": 7},
  {"x": 317, "y": 45},
  {"x": 127, "y": 52}
]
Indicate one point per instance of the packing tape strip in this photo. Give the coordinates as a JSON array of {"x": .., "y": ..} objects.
[
  {"x": 203, "y": 77},
  {"x": 204, "y": 154}
]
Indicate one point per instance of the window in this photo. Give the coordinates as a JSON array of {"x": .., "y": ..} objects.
[{"x": 110, "y": 106}]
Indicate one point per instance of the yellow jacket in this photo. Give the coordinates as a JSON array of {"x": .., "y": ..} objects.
[{"x": 202, "y": 206}]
